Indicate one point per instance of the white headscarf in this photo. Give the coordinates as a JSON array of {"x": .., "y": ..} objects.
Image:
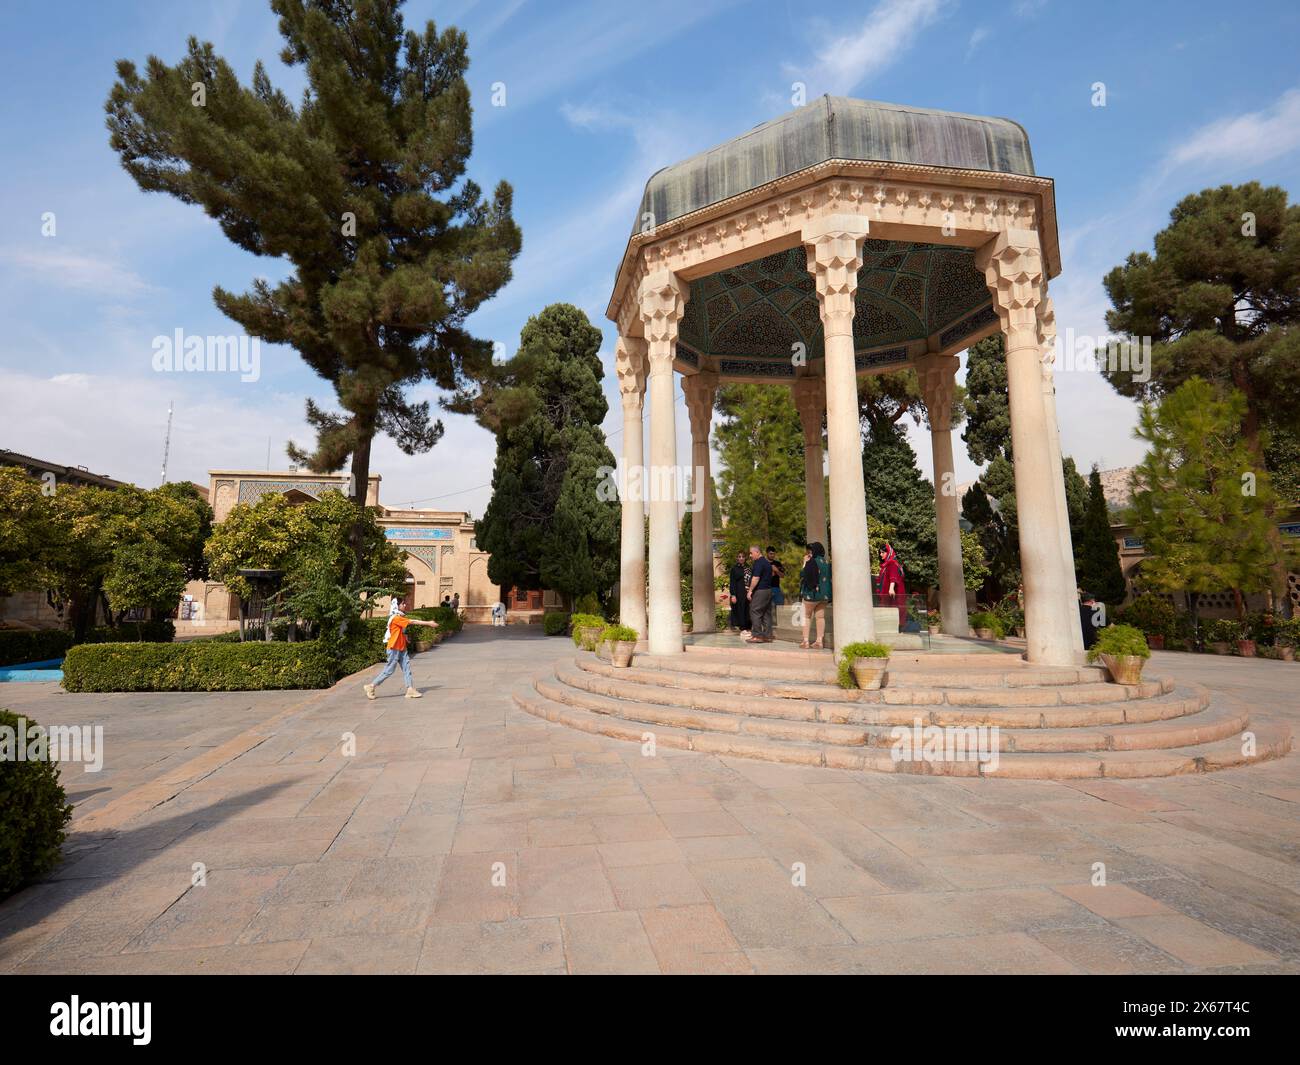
[{"x": 394, "y": 607}]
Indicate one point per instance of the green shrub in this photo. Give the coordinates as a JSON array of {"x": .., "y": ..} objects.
[
  {"x": 198, "y": 666},
  {"x": 1153, "y": 614},
  {"x": 1288, "y": 631},
  {"x": 688, "y": 621},
  {"x": 33, "y": 811},
  {"x": 589, "y": 604},
  {"x": 618, "y": 634},
  {"x": 584, "y": 621},
  {"x": 219, "y": 637},
  {"x": 1223, "y": 630},
  {"x": 1119, "y": 640},
  {"x": 18, "y": 645},
  {"x": 722, "y": 618},
  {"x": 555, "y": 623},
  {"x": 851, "y": 652},
  {"x": 987, "y": 620},
  {"x": 447, "y": 620}
]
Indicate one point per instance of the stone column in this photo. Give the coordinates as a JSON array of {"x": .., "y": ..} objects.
[
  {"x": 663, "y": 301},
  {"x": 1047, "y": 342},
  {"x": 700, "y": 390},
  {"x": 810, "y": 401},
  {"x": 937, "y": 374},
  {"x": 630, "y": 366},
  {"x": 1013, "y": 269},
  {"x": 834, "y": 245}
]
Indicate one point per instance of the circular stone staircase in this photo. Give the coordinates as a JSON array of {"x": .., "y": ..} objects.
[{"x": 1030, "y": 722}]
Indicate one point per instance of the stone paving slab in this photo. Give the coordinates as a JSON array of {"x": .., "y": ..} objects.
[{"x": 233, "y": 833}]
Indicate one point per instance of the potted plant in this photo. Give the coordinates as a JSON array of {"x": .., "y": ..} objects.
[
  {"x": 622, "y": 642},
  {"x": 586, "y": 631},
  {"x": 1221, "y": 634},
  {"x": 1288, "y": 636},
  {"x": 862, "y": 665},
  {"x": 987, "y": 625},
  {"x": 935, "y": 623},
  {"x": 1124, "y": 650}
]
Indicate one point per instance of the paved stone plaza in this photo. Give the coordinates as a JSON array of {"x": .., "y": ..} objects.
[{"x": 466, "y": 836}]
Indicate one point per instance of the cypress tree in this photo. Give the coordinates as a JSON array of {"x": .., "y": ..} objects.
[
  {"x": 1099, "y": 570},
  {"x": 549, "y": 523}
]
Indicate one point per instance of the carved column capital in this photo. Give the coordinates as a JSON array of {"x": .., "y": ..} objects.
[
  {"x": 834, "y": 246},
  {"x": 937, "y": 375},
  {"x": 810, "y": 402},
  {"x": 662, "y": 298},
  {"x": 1013, "y": 270},
  {"x": 630, "y": 368},
  {"x": 700, "y": 390}
]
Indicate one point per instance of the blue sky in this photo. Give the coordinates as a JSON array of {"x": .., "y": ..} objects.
[{"x": 599, "y": 94}]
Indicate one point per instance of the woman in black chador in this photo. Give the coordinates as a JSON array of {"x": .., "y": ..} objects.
[{"x": 738, "y": 590}]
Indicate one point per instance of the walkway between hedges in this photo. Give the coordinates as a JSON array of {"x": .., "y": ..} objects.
[{"x": 465, "y": 836}]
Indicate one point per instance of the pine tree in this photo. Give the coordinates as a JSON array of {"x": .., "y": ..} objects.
[
  {"x": 1220, "y": 300},
  {"x": 549, "y": 523},
  {"x": 361, "y": 188},
  {"x": 1098, "y": 555},
  {"x": 1201, "y": 510}
]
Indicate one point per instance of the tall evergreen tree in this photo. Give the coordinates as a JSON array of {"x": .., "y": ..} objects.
[
  {"x": 1099, "y": 569},
  {"x": 1201, "y": 511},
  {"x": 549, "y": 524},
  {"x": 1220, "y": 300},
  {"x": 361, "y": 188},
  {"x": 760, "y": 476},
  {"x": 901, "y": 498}
]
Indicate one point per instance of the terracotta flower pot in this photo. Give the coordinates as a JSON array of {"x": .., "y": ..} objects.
[
  {"x": 1124, "y": 669},
  {"x": 589, "y": 636},
  {"x": 1220, "y": 647},
  {"x": 869, "y": 673},
  {"x": 1286, "y": 652},
  {"x": 1156, "y": 641},
  {"x": 620, "y": 652},
  {"x": 984, "y": 634},
  {"x": 935, "y": 630},
  {"x": 1246, "y": 648}
]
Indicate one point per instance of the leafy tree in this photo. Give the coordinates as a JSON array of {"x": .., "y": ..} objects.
[
  {"x": 760, "y": 475},
  {"x": 311, "y": 543},
  {"x": 1098, "y": 555},
  {"x": 1220, "y": 301},
  {"x": 361, "y": 188},
  {"x": 27, "y": 534},
  {"x": 988, "y": 415},
  {"x": 548, "y": 525},
  {"x": 144, "y": 576},
  {"x": 1205, "y": 524}
]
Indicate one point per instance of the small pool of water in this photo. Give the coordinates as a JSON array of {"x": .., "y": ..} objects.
[{"x": 40, "y": 672}]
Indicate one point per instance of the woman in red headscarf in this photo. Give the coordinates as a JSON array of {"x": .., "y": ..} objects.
[{"x": 890, "y": 589}]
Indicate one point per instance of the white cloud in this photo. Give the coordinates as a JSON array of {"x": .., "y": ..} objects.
[
  {"x": 67, "y": 269},
  {"x": 981, "y": 34},
  {"x": 845, "y": 61},
  {"x": 1244, "y": 140}
]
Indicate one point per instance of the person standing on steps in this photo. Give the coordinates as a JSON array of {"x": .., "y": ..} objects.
[
  {"x": 455, "y": 602},
  {"x": 395, "y": 645},
  {"x": 815, "y": 591},
  {"x": 737, "y": 588},
  {"x": 760, "y": 596}
]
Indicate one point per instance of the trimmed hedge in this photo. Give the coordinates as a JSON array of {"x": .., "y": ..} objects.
[
  {"x": 33, "y": 811},
  {"x": 221, "y": 663},
  {"x": 198, "y": 667},
  {"x": 556, "y": 623}
]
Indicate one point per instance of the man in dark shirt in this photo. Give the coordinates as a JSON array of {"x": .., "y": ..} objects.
[
  {"x": 760, "y": 596},
  {"x": 1090, "y": 615}
]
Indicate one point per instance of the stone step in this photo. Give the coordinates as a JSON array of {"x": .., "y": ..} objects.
[
  {"x": 795, "y": 666},
  {"x": 1272, "y": 741},
  {"x": 739, "y": 691},
  {"x": 1199, "y": 726}
]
